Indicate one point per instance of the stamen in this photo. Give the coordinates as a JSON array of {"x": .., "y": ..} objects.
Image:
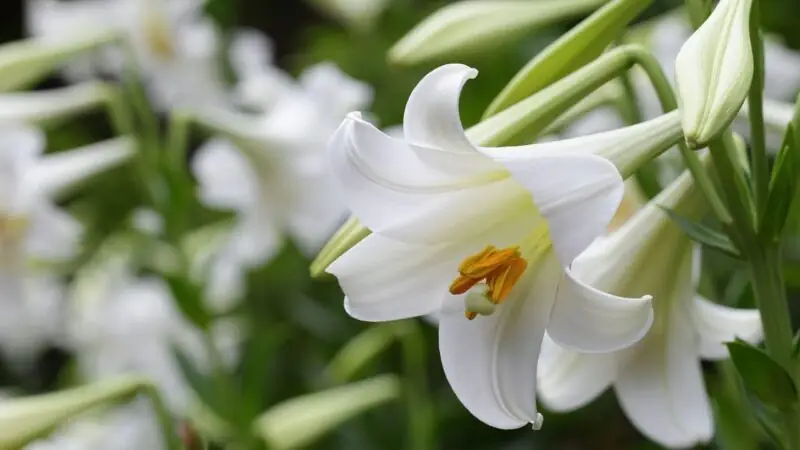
[
  {"x": 503, "y": 279},
  {"x": 499, "y": 269},
  {"x": 157, "y": 31}
]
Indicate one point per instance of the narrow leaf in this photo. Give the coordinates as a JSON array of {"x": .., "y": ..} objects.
[
  {"x": 189, "y": 299},
  {"x": 703, "y": 234},
  {"x": 570, "y": 52},
  {"x": 763, "y": 377},
  {"x": 782, "y": 187}
]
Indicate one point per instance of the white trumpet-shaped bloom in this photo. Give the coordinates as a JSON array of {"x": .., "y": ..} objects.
[
  {"x": 175, "y": 46},
  {"x": 273, "y": 171},
  {"x": 714, "y": 70},
  {"x": 33, "y": 229},
  {"x": 658, "y": 381},
  {"x": 480, "y": 235}
]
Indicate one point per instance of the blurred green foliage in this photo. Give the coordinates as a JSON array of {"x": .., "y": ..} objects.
[{"x": 298, "y": 325}]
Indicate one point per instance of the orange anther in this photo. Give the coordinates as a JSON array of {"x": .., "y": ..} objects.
[
  {"x": 500, "y": 269},
  {"x": 504, "y": 278},
  {"x": 482, "y": 264},
  {"x": 462, "y": 284}
]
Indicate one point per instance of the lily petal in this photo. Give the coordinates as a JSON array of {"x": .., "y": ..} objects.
[
  {"x": 392, "y": 192},
  {"x": 577, "y": 194},
  {"x": 431, "y": 116},
  {"x": 661, "y": 388},
  {"x": 568, "y": 380},
  {"x": 226, "y": 178},
  {"x": 57, "y": 173},
  {"x": 53, "y": 234},
  {"x": 491, "y": 362},
  {"x": 592, "y": 321},
  {"x": 718, "y": 324},
  {"x": 390, "y": 280}
]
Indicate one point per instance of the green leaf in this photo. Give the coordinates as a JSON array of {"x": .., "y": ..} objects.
[
  {"x": 189, "y": 299},
  {"x": 796, "y": 345},
  {"x": 703, "y": 234},
  {"x": 570, "y": 52},
  {"x": 763, "y": 377},
  {"x": 782, "y": 187}
]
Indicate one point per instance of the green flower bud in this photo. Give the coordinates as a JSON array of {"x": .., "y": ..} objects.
[
  {"x": 714, "y": 70},
  {"x": 298, "y": 422},
  {"x": 26, "y": 419},
  {"x": 471, "y": 26}
]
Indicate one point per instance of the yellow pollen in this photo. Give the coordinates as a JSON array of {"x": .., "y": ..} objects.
[
  {"x": 12, "y": 227},
  {"x": 157, "y": 31},
  {"x": 500, "y": 269}
]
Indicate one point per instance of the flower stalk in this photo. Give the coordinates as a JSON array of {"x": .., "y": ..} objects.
[{"x": 755, "y": 103}]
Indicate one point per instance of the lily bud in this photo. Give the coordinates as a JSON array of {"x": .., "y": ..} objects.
[
  {"x": 53, "y": 104},
  {"x": 25, "y": 419},
  {"x": 714, "y": 70},
  {"x": 470, "y": 26},
  {"x": 358, "y": 14},
  {"x": 25, "y": 62},
  {"x": 298, "y": 422}
]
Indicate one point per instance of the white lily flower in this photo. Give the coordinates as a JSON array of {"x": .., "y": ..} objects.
[
  {"x": 465, "y": 230},
  {"x": 32, "y": 228},
  {"x": 275, "y": 177},
  {"x": 174, "y": 45},
  {"x": 658, "y": 381},
  {"x": 110, "y": 308}
]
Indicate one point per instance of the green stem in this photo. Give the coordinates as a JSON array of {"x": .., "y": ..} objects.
[
  {"x": 179, "y": 182},
  {"x": 666, "y": 97},
  {"x": 171, "y": 439},
  {"x": 770, "y": 295},
  {"x": 755, "y": 103},
  {"x": 699, "y": 10},
  {"x": 421, "y": 417},
  {"x": 118, "y": 113},
  {"x": 735, "y": 190}
]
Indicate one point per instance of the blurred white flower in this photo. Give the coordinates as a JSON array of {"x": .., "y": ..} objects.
[
  {"x": 174, "y": 44},
  {"x": 129, "y": 427},
  {"x": 122, "y": 324},
  {"x": 658, "y": 381},
  {"x": 455, "y": 230},
  {"x": 276, "y": 177},
  {"x": 33, "y": 229},
  {"x": 259, "y": 82}
]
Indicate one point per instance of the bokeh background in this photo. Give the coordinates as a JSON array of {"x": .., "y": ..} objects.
[{"x": 299, "y": 323}]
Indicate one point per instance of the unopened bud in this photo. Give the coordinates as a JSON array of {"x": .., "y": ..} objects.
[{"x": 714, "y": 70}]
